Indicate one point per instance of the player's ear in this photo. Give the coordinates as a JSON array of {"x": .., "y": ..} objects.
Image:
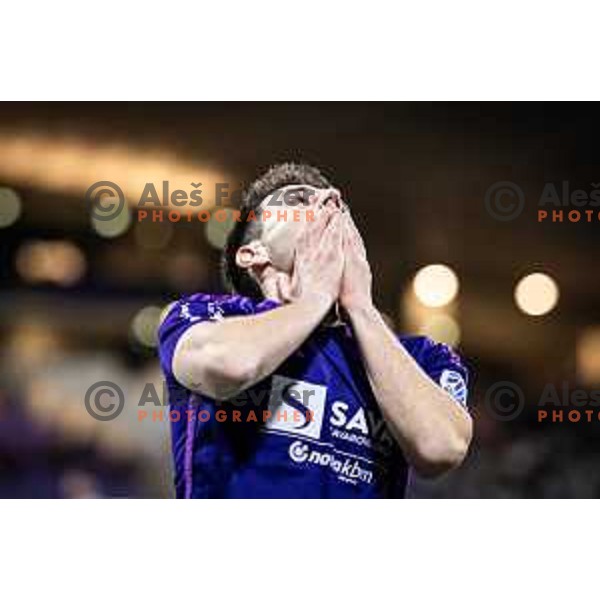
[{"x": 252, "y": 255}]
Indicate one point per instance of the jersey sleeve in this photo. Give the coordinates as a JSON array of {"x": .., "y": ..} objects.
[
  {"x": 198, "y": 308},
  {"x": 442, "y": 364}
]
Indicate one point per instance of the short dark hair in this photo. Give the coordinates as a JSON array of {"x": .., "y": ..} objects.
[{"x": 239, "y": 280}]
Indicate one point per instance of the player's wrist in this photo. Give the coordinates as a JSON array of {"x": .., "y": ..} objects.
[
  {"x": 361, "y": 307},
  {"x": 321, "y": 300}
]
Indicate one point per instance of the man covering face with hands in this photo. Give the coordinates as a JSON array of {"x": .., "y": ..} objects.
[{"x": 294, "y": 386}]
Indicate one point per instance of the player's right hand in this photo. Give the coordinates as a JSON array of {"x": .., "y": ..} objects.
[{"x": 319, "y": 259}]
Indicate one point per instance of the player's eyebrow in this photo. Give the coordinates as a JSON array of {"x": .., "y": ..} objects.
[
  {"x": 293, "y": 189},
  {"x": 299, "y": 188}
]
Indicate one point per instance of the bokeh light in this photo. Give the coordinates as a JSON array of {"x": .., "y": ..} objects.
[
  {"x": 219, "y": 225},
  {"x": 187, "y": 271},
  {"x": 113, "y": 227},
  {"x": 144, "y": 326},
  {"x": 588, "y": 355},
  {"x": 536, "y": 294},
  {"x": 10, "y": 207},
  {"x": 441, "y": 328},
  {"x": 435, "y": 285},
  {"x": 70, "y": 164},
  {"x": 153, "y": 235},
  {"x": 51, "y": 261}
]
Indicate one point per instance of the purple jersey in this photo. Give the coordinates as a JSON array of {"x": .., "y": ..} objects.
[{"x": 313, "y": 429}]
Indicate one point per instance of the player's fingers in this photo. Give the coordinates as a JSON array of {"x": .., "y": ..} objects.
[
  {"x": 297, "y": 258},
  {"x": 347, "y": 233},
  {"x": 352, "y": 225},
  {"x": 286, "y": 287},
  {"x": 355, "y": 236},
  {"x": 325, "y": 238},
  {"x": 333, "y": 216},
  {"x": 316, "y": 228},
  {"x": 335, "y": 229},
  {"x": 311, "y": 231}
]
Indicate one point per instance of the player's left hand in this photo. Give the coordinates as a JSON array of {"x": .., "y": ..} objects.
[{"x": 355, "y": 291}]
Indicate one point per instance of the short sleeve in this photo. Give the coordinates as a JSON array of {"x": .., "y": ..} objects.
[
  {"x": 197, "y": 308},
  {"x": 442, "y": 364}
]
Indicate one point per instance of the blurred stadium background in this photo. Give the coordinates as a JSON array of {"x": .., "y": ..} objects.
[{"x": 80, "y": 298}]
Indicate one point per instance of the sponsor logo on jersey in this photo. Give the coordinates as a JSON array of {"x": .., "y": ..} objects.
[
  {"x": 454, "y": 383},
  {"x": 297, "y": 407},
  {"x": 348, "y": 469},
  {"x": 359, "y": 426}
]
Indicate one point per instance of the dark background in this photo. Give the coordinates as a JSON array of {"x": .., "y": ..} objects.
[{"x": 415, "y": 175}]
